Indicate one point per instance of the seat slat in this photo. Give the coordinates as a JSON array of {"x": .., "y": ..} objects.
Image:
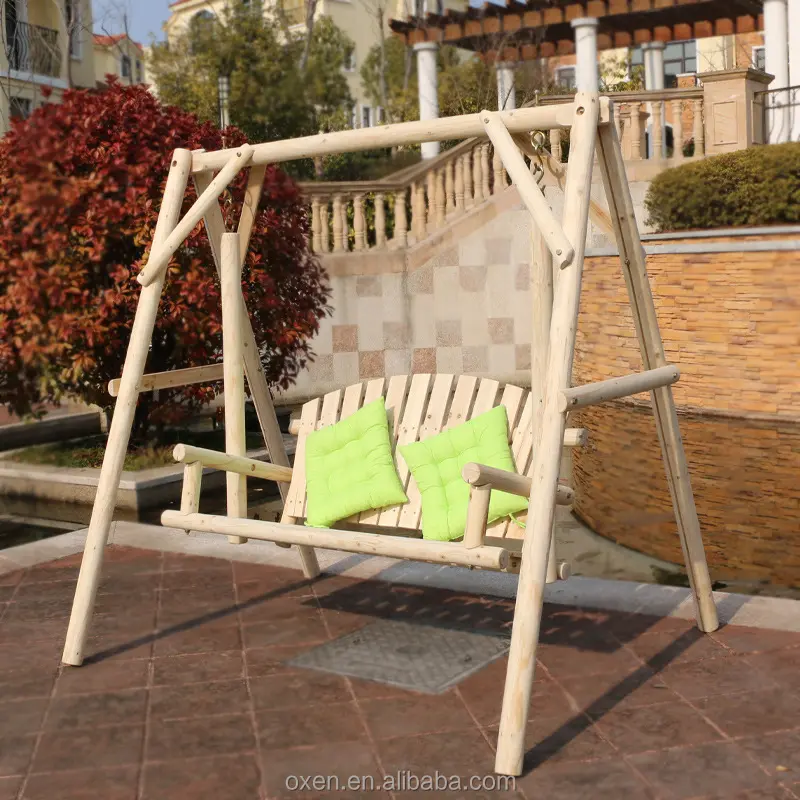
[
  {"x": 331, "y": 403},
  {"x": 512, "y": 399},
  {"x": 520, "y": 449},
  {"x": 409, "y": 429},
  {"x": 434, "y": 419},
  {"x": 352, "y": 400},
  {"x": 374, "y": 390},
  {"x": 486, "y": 399},
  {"x": 462, "y": 401},
  {"x": 296, "y": 496},
  {"x": 395, "y": 405}
]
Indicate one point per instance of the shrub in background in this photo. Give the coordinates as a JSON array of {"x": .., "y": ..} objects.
[
  {"x": 757, "y": 186},
  {"x": 80, "y": 189}
]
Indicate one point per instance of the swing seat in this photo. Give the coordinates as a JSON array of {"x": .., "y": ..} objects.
[{"x": 418, "y": 406}]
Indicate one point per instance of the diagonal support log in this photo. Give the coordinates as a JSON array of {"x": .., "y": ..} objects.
[
  {"x": 160, "y": 256},
  {"x": 543, "y": 217},
  {"x": 256, "y": 380}
]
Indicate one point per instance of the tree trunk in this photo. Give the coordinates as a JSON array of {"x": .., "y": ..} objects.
[{"x": 311, "y": 8}]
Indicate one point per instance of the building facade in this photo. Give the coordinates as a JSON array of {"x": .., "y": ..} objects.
[
  {"x": 47, "y": 44},
  {"x": 119, "y": 56}
]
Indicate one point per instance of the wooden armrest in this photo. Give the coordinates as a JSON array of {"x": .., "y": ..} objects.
[
  {"x": 481, "y": 475},
  {"x": 187, "y": 454}
]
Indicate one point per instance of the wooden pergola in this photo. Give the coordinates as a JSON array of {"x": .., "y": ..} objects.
[{"x": 541, "y": 28}]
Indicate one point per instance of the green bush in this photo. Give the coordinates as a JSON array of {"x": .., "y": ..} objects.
[{"x": 758, "y": 186}]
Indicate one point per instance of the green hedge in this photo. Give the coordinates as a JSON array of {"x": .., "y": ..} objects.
[{"x": 759, "y": 186}]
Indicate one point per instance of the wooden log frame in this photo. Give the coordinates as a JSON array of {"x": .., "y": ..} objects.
[{"x": 552, "y": 356}]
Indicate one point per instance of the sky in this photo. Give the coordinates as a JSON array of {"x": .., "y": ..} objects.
[{"x": 144, "y": 17}]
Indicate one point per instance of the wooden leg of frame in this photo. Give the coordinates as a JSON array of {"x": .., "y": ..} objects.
[
  {"x": 233, "y": 362},
  {"x": 652, "y": 349},
  {"x": 542, "y": 299},
  {"x": 256, "y": 380},
  {"x": 538, "y": 535},
  {"x": 122, "y": 421}
]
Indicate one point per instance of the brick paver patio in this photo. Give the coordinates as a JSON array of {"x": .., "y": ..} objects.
[{"x": 186, "y": 694}]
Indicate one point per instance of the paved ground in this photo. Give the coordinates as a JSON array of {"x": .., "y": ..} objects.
[{"x": 186, "y": 695}]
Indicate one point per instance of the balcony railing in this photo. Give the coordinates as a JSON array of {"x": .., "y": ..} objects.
[
  {"x": 778, "y": 112},
  {"x": 35, "y": 50}
]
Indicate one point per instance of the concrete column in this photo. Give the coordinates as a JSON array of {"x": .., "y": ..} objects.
[
  {"x": 428, "y": 81},
  {"x": 794, "y": 65},
  {"x": 506, "y": 83},
  {"x": 587, "y": 74},
  {"x": 653, "y": 57},
  {"x": 653, "y": 53},
  {"x": 776, "y": 57}
]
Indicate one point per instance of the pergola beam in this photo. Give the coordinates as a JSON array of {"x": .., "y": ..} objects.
[{"x": 540, "y": 30}]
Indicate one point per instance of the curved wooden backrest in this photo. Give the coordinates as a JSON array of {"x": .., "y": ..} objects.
[{"x": 419, "y": 406}]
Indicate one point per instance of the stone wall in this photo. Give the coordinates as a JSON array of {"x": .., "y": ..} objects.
[{"x": 731, "y": 322}]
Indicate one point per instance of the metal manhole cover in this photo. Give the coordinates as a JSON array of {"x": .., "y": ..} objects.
[{"x": 422, "y": 658}]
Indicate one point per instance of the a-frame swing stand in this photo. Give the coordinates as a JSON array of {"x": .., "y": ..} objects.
[{"x": 555, "y": 301}]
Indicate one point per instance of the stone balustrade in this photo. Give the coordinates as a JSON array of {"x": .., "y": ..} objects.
[
  {"x": 406, "y": 208},
  {"x": 652, "y": 125}
]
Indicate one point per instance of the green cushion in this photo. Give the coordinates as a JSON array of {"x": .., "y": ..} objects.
[
  {"x": 349, "y": 468},
  {"x": 436, "y": 465}
]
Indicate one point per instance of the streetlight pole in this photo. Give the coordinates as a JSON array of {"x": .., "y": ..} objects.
[{"x": 224, "y": 89}]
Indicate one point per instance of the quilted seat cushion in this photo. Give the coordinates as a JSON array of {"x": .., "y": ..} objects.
[
  {"x": 350, "y": 468},
  {"x": 436, "y": 465}
]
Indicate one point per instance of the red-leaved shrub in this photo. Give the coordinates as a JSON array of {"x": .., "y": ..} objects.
[{"x": 80, "y": 189}]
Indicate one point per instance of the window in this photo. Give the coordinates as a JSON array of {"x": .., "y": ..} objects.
[
  {"x": 381, "y": 115},
  {"x": 74, "y": 21},
  {"x": 139, "y": 77},
  {"x": 350, "y": 61},
  {"x": 679, "y": 58},
  {"x": 366, "y": 117},
  {"x": 125, "y": 68},
  {"x": 295, "y": 11},
  {"x": 19, "y": 107},
  {"x": 565, "y": 77},
  {"x": 353, "y": 117},
  {"x": 759, "y": 58}
]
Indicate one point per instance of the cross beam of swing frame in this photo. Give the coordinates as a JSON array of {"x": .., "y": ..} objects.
[{"x": 467, "y": 126}]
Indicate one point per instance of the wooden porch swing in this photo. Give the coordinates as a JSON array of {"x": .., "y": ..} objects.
[{"x": 419, "y": 406}]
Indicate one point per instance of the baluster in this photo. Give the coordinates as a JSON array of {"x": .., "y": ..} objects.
[
  {"x": 459, "y": 184},
  {"x": 431, "y": 197},
  {"x": 380, "y": 221},
  {"x": 677, "y": 129},
  {"x": 449, "y": 187},
  {"x": 467, "y": 169},
  {"x": 555, "y": 143},
  {"x": 499, "y": 176},
  {"x": 615, "y": 109},
  {"x": 338, "y": 240},
  {"x": 477, "y": 181},
  {"x": 359, "y": 223},
  {"x": 316, "y": 226},
  {"x": 415, "y": 212},
  {"x": 657, "y": 129},
  {"x": 325, "y": 234},
  {"x": 400, "y": 221},
  {"x": 345, "y": 226},
  {"x": 485, "y": 175},
  {"x": 636, "y": 131},
  {"x": 439, "y": 199},
  {"x": 699, "y": 134}
]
